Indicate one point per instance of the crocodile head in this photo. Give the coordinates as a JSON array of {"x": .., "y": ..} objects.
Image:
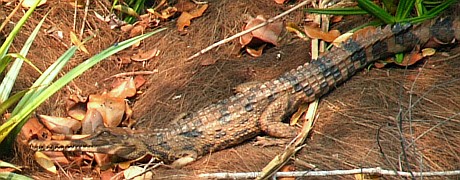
[{"x": 105, "y": 140}]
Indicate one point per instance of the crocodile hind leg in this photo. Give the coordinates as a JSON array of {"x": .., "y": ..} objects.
[{"x": 271, "y": 117}]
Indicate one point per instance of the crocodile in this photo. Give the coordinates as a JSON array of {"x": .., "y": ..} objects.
[{"x": 260, "y": 107}]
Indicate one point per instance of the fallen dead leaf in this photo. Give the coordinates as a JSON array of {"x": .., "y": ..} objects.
[
  {"x": 45, "y": 162},
  {"x": 186, "y": 17},
  {"x": 313, "y": 31},
  {"x": 184, "y": 6},
  {"x": 34, "y": 129},
  {"x": 76, "y": 110},
  {"x": 269, "y": 33},
  {"x": 92, "y": 120},
  {"x": 137, "y": 30},
  {"x": 280, "y": 1},
  {"x": 293, "y": 28},
  {"x": 60, "y": 125},
  {"x": 133, "y": 171},
  {"x": 107, "y": 174},
  {"x": 428, "y": 52},
  {"x": 75, "y": 40},
  {"x": 411, "y": 59},
  {"x": 147, "y": 55},
  {"x": 112, "y": 109},
  {"x": 57, "y": 157},
  {"x": 125, "y": 89},
  {"x": 256, "y": 52},
  {"x": 139, "y": 81},
  {"x": 341, "y": 39}
]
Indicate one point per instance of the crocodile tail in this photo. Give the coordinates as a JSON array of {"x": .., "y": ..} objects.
[{"x": 312, "y": 80}]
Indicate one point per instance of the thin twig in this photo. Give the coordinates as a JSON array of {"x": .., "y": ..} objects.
[
  {"x": 85, "y": 16},
  {"x": 248, "y": 30},
  {"x": 131, "y": 74},
  {"x": 373, "y": 171}
]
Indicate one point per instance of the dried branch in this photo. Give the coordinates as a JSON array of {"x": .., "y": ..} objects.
[{"x": 372, "y": 171}]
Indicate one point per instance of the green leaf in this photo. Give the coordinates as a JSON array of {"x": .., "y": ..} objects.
[
  {"x": 13, "y": 176},
  {"x": 403, "y": 10},
  {"x": 10, "y": 78},
  {"x": 11, "y": 100},
  {"x": 376, "y": 11},
  {"x": 399, "y": 58},
  {"x": 4, "y": 164},
  {"x": 338, "y": 11},
  {"x": 20, "y": 116},
  {"x": 4, "y": 61}
]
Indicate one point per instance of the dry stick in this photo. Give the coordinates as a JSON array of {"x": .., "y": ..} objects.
[
  {"x": 85, "y": 16},
  {"x": 132, "y": 74},
  {"x": 247, "y": 30},
  {"x": 373, "y": 171},
  {"x": 8, "y": 19}
]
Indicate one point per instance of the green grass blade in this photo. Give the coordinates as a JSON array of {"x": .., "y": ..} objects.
[
  {"x": 46, "y": 78},
  {"x": 404, "y": 8},
  {"x": 443, "y": 6},
  {"x": 11, "y": 101},
  {"x": 4, "y": 63},
  {"x": 16, "y": 121},
  {"x": 6, "y": 44},
  {"x": 338, "y": 11},
  {"x": 376, "y": 11},
  {"x": 10, "y": 78},
  {"x": 13, "y": 176}
]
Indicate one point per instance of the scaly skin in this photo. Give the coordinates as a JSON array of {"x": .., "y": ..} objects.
[{"x": 260, "y": 107}]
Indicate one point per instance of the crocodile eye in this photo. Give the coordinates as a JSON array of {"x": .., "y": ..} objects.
[{"x": 105, "y": 133}]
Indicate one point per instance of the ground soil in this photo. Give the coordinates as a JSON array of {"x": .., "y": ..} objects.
[{"x": 360, "y": 124}]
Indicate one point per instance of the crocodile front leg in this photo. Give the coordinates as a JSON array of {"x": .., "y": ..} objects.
[{"x": 274, "y": 113}]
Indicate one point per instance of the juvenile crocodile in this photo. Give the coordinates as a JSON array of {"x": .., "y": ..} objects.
[{"x": 260, "y": 107}]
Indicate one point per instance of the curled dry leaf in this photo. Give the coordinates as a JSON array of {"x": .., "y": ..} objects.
[
  {"x": 293, "y": 28},
  {"x": 137, "y": 30},
  {"x": 75, "y": 40},
  {"x": 185, "y": 18},
  {"x": 126, "y": 27},
  {"x": 313, "y": 31},
  {"x": 60, "y": 125},
  {"x": 133, "y": 172},
  {"x": 411, "y": 59},
  {"x": 256, "y": 52},
  {"x": 57, "y": 157},
  {"x": 184, "y": 6},
  {"x": 124, "y": 89},
  {"x": 342, "y": 38},
  {"x": 34, "y": 129},
  {"x": 280, "y": 1},
  {"x": 139, "y": 81},
  {"x": 108, "y": 175},
  {"x": 147, "y": 55},
  {"x": 76, "y": 110},
  {"x": 45, "y": 162},
  {"x": 269, "y": 33},
  {"x": 428, "y": 52},
  {"x": 112, "y": 109},
  {"x": 92, "y": 120}
]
